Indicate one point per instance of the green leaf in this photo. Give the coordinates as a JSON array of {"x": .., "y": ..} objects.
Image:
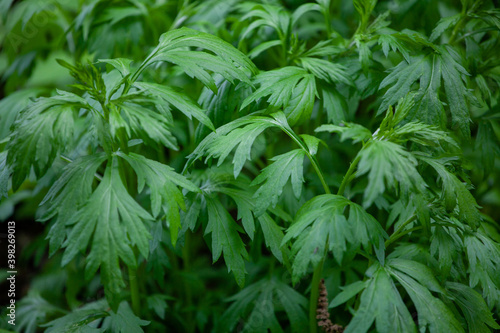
[
  {"x": 326, "y": 70},
  {"x": 474, "y": 308},
  {"x": 32, "y": 310},
  {"x": 388, "y": 163},
  {"x": 433, "y": 314},
  {"x": 267, "y": 15},
  {"x": 352, "y": 131},
  {"x": 238, "y": 191},
  {"x": 242, "y": 138},
  {"x": 257, "y": 304},
  {"x": 262, "y": 47},
  {"x": 364, "y": 8},
  {"x": 225, "y": 239},
  {"x": 162, "y": 180},
  {"x": 115, "y": 223},
  {"x": 444, "y": 24},
  {"x": 177, "y": 99},
  {"x": 273, "y": 179},
  {"x": 418, "y": 271},
  {"x": 220, "y": 143},
  {"x": 121, "y": 64},
  {"x": 4, "y": 175},
  {"x": 124, "y": 320},
  {"x": 321, "y": 219},
  {"x": 227, "y": 61},
  {"x": 367, "y": 230},
  {"x": 68, "y": 194},
  {"x": 484, "y": 265},
  {"x": 11, "y": 106},
  {"x": 455, "y": 193},
  {"x": 335, "y": 104},
  {"x": 291, "y": 88},
  {"x": 221, "y": 107},
  {"x": 242, "y": 303},
  {"x": 446, "y": 243},
  {"x": 158, "y": 303},
  {"x": 382, "y": 303},
  {"x": 393, "y": 42},
  {"x": 294, "y": 303},
  {"x": 423, "y": 134},
  {"x": 347, "y": 293},
  {"x": 143, "y": 123},
  {"x": 303, "y": 9},
  {"x": 430, "y": 69},
  {"x": 311, "y": 142},
  {"x": 364, "y": 54},
  {"x": 78, "y": 321},
  {"x": 42, "y": 129},
  {"x": 487, "y": 145},
  {"x": 458, "y": 96},
  {"x": 402, "y": 77},
  {"x": 428, "y": 107},
  {"x": 273, "y": 235}
]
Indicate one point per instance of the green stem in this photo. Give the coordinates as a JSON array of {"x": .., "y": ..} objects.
[
  {"x": 284, "y": 52},
  {"x": 319, "y": 269},
  {"x": 399, "y": 232},
  {"x": 328, "y": 23},
  {"x": 390, "y": 241},
  {"x": 134, "y": 290},
  {"x": 456, "y": 29},
  {"x": 321, "y": 108},
  {"x": 313, "y": 301},
  {"x": 138, "y": 72},
  {"x": 313, "y": 326},
  {"x": 187, "y": 287},
  {"x": 316, "y": 167},
  {"x": 347, "y": 177},
  {"x": 461, "y": 22},
  {"x": 311, "y": 158},
  {"x": 401, "y": 227}
]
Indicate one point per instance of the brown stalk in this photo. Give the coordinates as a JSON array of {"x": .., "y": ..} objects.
[{"x": 322, "y": 314}]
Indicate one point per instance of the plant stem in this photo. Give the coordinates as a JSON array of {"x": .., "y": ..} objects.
[
  {"x": 313, "y": 327},
  {"x": 313, "y": 300},
  {"x": 456, "y": 29},
  {"x": 187, "y": 287},
  {"x": 460, "y": 24},
  {"x": 398, "y": 234},
  {"x": 134, "y": 290},
  {"x": 404, "y": 233},
  {"x": 347, "y": 176},
  {"x": 316, "y": 167},
  {"x": 311, "y": 158}
]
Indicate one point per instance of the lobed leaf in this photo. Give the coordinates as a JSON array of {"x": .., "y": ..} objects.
[
  {"x": 322, "y": 218},
  {"x": 274, "y": 177},
  {"x": 382, "y": 303},
  {"x": 229, "y": 62},
  {"x": 388, "y": 163},
  {"x": 177, "y": 99},
  {"x": 162, "y": 181},
  {"x": 114, "y": 223},
  {"x": 225, "y": 239},
  {"x": 291, "y": 88},
  {"x": 41, "y": 131}
]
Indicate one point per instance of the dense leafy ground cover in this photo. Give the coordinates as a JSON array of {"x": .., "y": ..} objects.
[{"x": 217, "y": 166}]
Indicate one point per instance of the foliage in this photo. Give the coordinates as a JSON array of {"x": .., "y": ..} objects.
[{"x": 201, "y": 167}]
